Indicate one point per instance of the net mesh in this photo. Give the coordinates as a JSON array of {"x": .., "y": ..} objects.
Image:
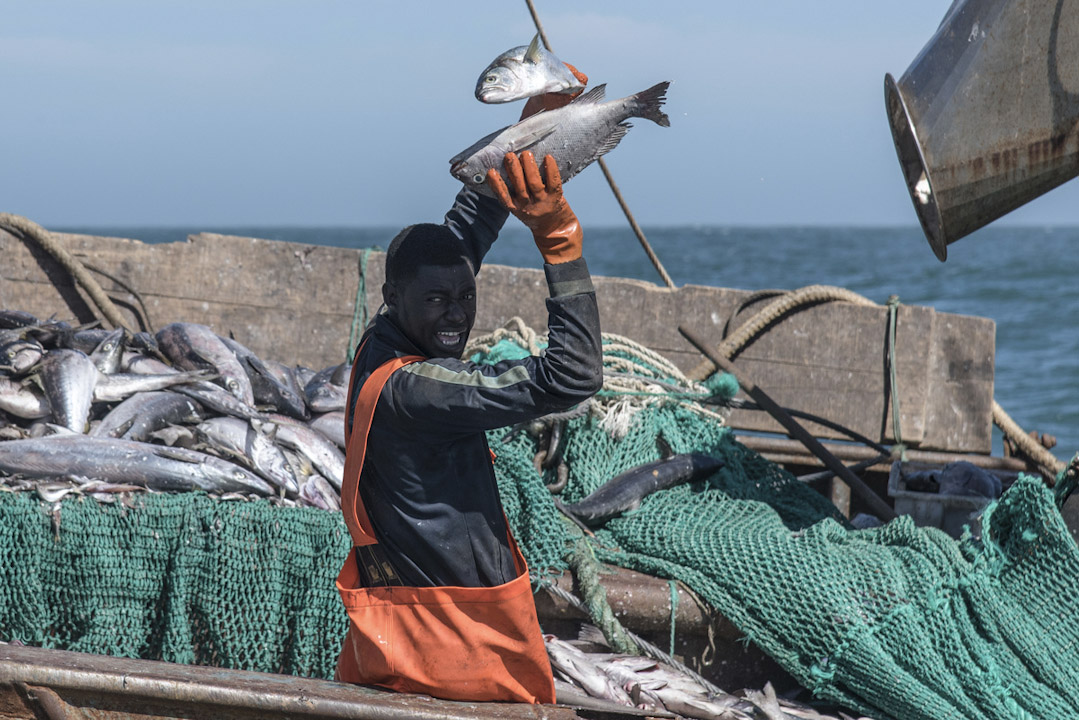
[{"x": 896, "y": 621}]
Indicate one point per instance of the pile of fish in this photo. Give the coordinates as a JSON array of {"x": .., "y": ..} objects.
[
  {"x": 103, "y": 412},
  {"x": 635, "y": 681}
]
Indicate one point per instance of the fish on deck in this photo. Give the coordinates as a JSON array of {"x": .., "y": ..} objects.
[{"x": 625, "y": 492}]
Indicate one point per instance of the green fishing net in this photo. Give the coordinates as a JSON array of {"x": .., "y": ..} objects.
[{"x": 897, "y": 621}]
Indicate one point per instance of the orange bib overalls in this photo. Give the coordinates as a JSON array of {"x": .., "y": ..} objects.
[{"x": 458, "y": 643}]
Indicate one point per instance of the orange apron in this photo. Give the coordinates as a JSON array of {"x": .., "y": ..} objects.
[{"x": 475, "y": 644}]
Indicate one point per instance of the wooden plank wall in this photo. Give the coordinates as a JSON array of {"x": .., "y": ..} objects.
[{"x": 295, "y": 303}]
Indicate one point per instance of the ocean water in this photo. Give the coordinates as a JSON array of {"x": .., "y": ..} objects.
[{"x": 1023, "y": 278}]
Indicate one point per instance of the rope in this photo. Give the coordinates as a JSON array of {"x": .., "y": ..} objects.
[
  {"x": 610, "y": 178},
  {"x": 1046, "y": 462},
  {"x": 809, "y": 295},
  {"x": 674, "y": 609},
  {"x": 893, "y": 376},
  {"x": 515, "y": 330},
  {"x": 585, "y": 568},
  {"x": 29, "y": 229},
  {"x": 359, "y": 306}
]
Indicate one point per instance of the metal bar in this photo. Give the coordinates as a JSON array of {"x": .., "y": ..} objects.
[
  {"x": 221, "y": 692},
  {"x": 793, "y": 452},
  {"x": 610, "y": 179},
  {"x": 880, "y": 508}
]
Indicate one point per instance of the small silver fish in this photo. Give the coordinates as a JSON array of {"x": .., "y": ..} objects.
[
  {"x": 576, "y": 135},
  {"x": 20, "y": 355},
  {"x": 106, "y": 356},
  {"x": 68, "y": 378},
  {"x": 191, "y": 346},
  {"x": 125, "y": 461},
  {"x": 313, "y": 445},
  {"x": 525, "y": 71},
  {"x": 22, "y": 401},
  {"x": 317, "y": 492},
  {"x": 254, "y": 442}
]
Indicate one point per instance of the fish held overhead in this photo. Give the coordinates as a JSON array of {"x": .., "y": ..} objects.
[
  {"x": 524, "y": 72},
  {"x": 575, "y": 135}
]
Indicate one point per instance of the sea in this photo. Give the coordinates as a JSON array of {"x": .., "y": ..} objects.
[{"x": 1026, "y": 279}]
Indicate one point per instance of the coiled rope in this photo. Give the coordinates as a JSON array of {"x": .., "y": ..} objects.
[
  {"x": 29, "y": 229},
  {"x": 1046, "y": 463}
]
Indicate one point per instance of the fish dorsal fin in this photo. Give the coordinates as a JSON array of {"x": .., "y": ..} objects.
[
  {"x": 534, "y": 53},
  {"x": 595, "y": 95},
  {"x": 529, "y": 139}
]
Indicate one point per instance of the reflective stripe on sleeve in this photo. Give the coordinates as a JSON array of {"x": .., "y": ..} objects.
[{"x": 470, "y": 378}]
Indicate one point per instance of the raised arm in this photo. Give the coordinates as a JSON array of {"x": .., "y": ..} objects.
[{"x": 476, "y": 219}]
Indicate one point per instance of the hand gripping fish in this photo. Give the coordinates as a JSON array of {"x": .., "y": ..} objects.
[
  {"x": 576, "y": 135},
  {"x": 523, "y": 72},
  {"x": 626, "y": 491}
]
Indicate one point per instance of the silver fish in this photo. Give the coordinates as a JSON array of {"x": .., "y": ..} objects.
[
  {"x": 216, "y": 398},
  {"x": 525, "y": 71},
  {"x": 134, "y": 362},
  {"x": 254, "y": 441},
  {"x": 118, "y": 386},
  {"x": 317, "y": 492},
  {"x": 108, "y": 353},
  {"x": 146, "y": 412},
  {"x": 207, "y": 393},
  {"x": 332, "y": 425},
  {"x": 576, "y": 135},
  {"x": 68, "y": 378},
  {"x": 23, "y": 401},
  {"x": 576, "y": 666},
  {"x": 270, "y": 391},
  {"x": 18, "y": 355},
  {"x": 323, "y": 393},
  {"x": 11, "y": 319},
  {"x": 81, "y": 338},
  {"x": 194, "y": 347},
  {"x": 126, "y": 461},
  {"x": 313, "y": 445}
]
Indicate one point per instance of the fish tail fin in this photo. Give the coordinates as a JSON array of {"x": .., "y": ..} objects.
[{"x": 650, "y": 101}]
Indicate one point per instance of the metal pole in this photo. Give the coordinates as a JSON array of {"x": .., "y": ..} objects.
[{"x": 610, "y": 180}]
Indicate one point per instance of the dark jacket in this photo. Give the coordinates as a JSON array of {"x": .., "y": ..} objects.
[{"x": 427, "y": 483}]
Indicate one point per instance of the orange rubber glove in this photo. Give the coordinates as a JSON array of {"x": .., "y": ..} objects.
[
  {"x": 550, "y": 101},
  {"x": 540, "y": 206}
]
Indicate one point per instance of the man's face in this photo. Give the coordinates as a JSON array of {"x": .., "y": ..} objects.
[{"x": 436, "y": 308}]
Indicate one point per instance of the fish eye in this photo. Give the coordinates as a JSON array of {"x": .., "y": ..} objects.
[
  {"x": 477, "y": 178},
  {"x": 490, "y": 78},
  {"x": 232, "y": 384}
]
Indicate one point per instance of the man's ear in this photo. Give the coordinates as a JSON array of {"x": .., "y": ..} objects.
[{"x": 389, "y": 296}]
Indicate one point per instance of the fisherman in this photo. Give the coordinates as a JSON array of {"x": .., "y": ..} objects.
[{"x": 437, "y": 592}]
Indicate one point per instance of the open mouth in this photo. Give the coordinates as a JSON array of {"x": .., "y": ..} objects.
[{"x": 450, "y": 340}]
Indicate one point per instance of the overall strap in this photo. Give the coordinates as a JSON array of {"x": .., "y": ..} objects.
[{"x": 359, "y": 525}]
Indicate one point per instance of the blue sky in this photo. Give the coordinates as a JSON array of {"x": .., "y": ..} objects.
[{"x": 202, "y": 113}]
